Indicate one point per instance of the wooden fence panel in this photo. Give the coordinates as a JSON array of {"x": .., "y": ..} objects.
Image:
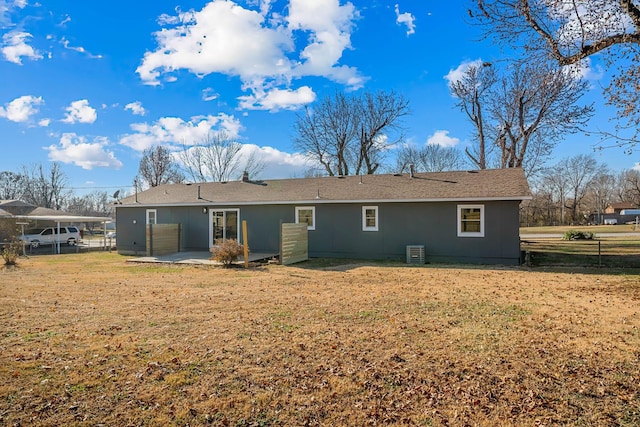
[
  {"x": 163, "y": 239},
  {"x": 294, "y": 243}
]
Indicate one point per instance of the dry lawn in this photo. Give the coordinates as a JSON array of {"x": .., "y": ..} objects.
[{"x": 91, "y": 340}]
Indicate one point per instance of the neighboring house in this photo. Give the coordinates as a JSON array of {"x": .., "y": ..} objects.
[
  {"x": 620, "y": 213},
  {"x": 615, "y": 208},
  {"x": 23, "y": 215},
  {"x": 464, "y": 216}
]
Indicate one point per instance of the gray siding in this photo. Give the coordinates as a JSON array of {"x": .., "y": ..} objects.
[{"x": 338, "y": 232}]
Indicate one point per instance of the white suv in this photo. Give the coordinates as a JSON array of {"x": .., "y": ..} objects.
[{"x": 49, "y": 235}]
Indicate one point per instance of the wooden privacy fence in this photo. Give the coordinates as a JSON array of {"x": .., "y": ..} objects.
[
  {"x": 294, "y": 243},
  {"x": 163, "y": 239}
]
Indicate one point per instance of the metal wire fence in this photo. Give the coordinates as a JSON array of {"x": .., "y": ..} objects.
[{"x": 615, "y": 252}]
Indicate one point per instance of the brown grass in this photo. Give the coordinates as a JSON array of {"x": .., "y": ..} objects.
[{"x": 88, "y": 339}]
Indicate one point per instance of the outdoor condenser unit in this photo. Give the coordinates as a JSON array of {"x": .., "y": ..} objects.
[{"x": 415, "y": 254}]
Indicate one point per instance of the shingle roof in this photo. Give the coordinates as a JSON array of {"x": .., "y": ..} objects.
[
  {"x": 621, "y": 205},
  {"x": 494, "y": 184}
]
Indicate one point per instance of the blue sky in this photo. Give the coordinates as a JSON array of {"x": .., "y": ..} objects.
[{"x": 92, "y": 84}]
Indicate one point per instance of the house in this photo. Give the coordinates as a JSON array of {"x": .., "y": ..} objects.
[
  {"x": 20, "y": 215},
  {"x": 620, "y": 213},
  {"x": 462, "y": 216},
  {"x": 615, "y": 208}
]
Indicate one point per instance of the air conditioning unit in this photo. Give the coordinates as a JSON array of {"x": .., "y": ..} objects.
[{"x": 415, "y": 254}]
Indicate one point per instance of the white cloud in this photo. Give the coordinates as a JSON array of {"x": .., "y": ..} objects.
[
  {"x": 64, "y": 22},
  {"x": 329, "y": 26},
  {"x": 78, "y": 49},
  {"x": 74, "y": 149},
  {"x": 209, "y": 94},
  {"x": 21, "y": 109},
  {"x": 278, "y": 164},
  {"x": 455, "y": 75},
  {"x": 442, "y": 138},
  {"x": 175, "y": 131},
  {"x": 44, "y": 122},
  {"x": 80, "y": 112},
  {"x": 258, "y": 46},
  {"x": 15, "y": 47},
  {"x": 585, "y": 70},
  {"x": 221, "y": 38},
  {"x": 588, "y": 20},
  {"x": 136, "y": 108},
  {"x": 6, "y": 7},
  {"x": 278, "y": 99},
  {"x": 407, "y": 19}
]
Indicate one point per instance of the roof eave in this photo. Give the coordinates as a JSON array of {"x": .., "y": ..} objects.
[{"x": 325, "y": 201}]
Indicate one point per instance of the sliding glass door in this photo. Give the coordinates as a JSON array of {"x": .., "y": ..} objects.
[{"x": 225, "y": 224}]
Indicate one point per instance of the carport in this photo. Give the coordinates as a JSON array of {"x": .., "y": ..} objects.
[{"x": 65, "y": 219}]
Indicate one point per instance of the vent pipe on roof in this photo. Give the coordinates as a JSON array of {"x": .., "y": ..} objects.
[
  {"x": 199, "y": 192},
  {"x": 245, "y": 176},
  {"x": 412, "y": 171}
]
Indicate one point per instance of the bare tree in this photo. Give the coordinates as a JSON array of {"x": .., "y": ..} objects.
[
  {"x": 535, "y": 105},
  {"x": 575, "y": 175},
  {"x": 601, "y": 193},
  {"x": 349, "y": 134},
  {"x": 523, "y": 113},
  {"x": 158, "y": 167},
  {"x": 556, "y": 186},
  {"x": 12, "y": 185},
  {"x": 95, "y": 203},
  {"x": 628, "y": 184},
  {"x": 45, "y": 187},
  {"x": 326, "y": 134},
  {"x": 380, "y": 116},
  {"x": 473, "y": 94},
  {"x": 217, "y": 158},
  {"x": 430, "y": 158},
  {"x": 571, "y": 31}
]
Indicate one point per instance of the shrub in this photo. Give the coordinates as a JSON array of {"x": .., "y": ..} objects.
[
  {"x": 11, "y": 252},
  {"x": 9, "y": 243},
  {"x": 578, "y": 235},
  {"x": 227, "y": 251}
]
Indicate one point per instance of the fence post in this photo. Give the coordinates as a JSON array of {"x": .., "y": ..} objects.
[
  {"x": 245, "y": 240},
  {"x": 599, "y": 254}
]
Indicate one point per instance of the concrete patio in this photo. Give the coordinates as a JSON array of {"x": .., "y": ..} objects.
[{"x": 202, "y": 258}]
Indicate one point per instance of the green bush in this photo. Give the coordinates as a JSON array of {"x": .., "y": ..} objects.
[
  {"x": 578, "y": 235},
  {"x": 227, "y": 251}
]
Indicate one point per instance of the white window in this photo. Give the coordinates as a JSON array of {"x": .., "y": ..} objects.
[
  {"x": 470, "y": 220},
  {"x": 369, "y": 218},
  {"x": 151, "y": 216},
  {"x": 306, "y": 214}
]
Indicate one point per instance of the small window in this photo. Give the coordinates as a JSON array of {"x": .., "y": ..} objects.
[
  {"x": 151, "y": 216},
  {"x": 306, "y": 214},
  {"x": 470, "y": 220},
  {"x": 369, "y": 218}
]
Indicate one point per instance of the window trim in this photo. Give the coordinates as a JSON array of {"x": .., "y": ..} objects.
[
  {"x": 155, "y": 216},
  {"x": 364, "y": 218},
  {"x": 470, "y": 233},
  {"x": 313, "y": 215}
]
